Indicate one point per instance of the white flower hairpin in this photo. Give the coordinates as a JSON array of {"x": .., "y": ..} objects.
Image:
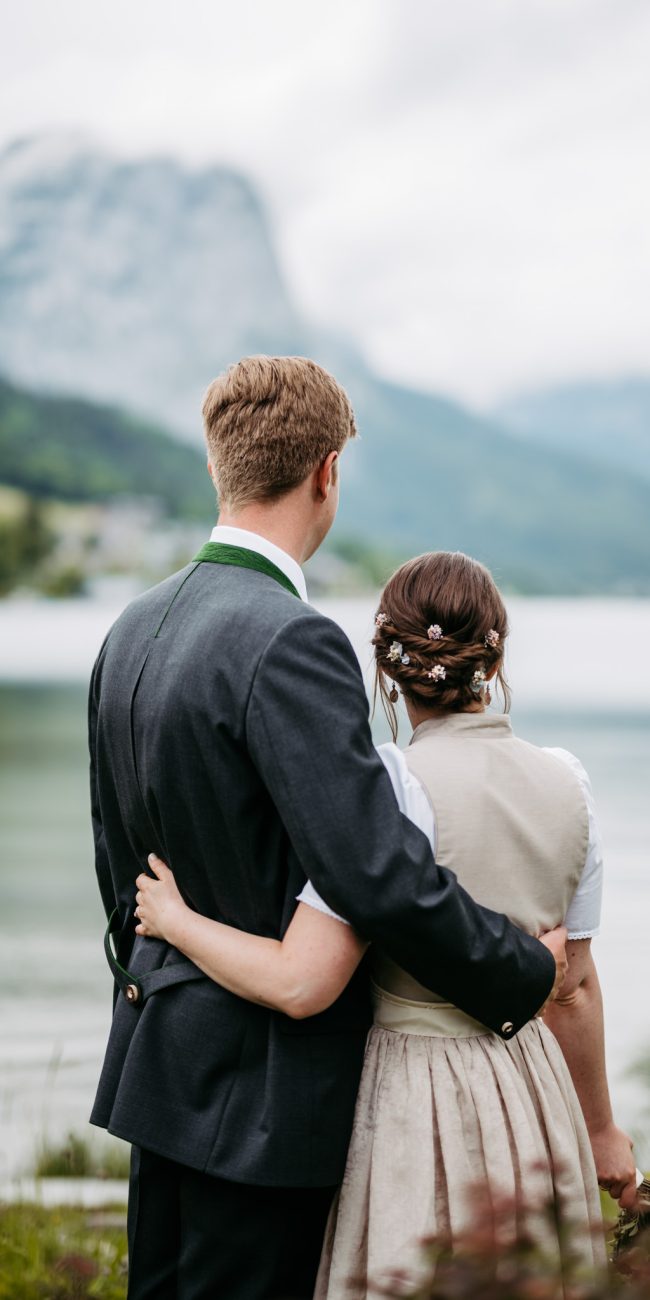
[
  {"x": 381, "y": 619},
  {"x": 492, "y": 639},
  {"x": 478, "y": 681},
  {"x": 435, "y": 632},
  {"x": 396, "y": 654},
  {"x": 437, "y": 673}
]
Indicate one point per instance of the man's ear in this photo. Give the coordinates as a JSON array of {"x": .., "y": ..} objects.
[{"x": 326, "y": 475}]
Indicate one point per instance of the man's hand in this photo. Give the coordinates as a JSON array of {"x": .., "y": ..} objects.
[{"x": 555, "y": 941}]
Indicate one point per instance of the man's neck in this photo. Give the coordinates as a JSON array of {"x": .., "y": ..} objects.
[{"x": 276, "y": 525}]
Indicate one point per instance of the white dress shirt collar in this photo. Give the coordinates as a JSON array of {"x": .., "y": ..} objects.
[{"x": 230, "y": 536}]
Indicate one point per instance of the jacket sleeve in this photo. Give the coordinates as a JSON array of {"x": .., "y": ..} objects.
[
  {"x": 309, "y": 737},
  {"x": 102, "y": 866}
]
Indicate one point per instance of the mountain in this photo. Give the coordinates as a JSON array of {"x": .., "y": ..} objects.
[
  {"x": 427, "y": 475},
  {"x": 72, "y": 450},
  {"x": 134, "y": 283},
  {"x": 607, "y": 421}
]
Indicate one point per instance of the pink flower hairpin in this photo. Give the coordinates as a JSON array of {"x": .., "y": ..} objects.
[
  {"x": 492, "y": 639},
  {"x": 437, "y": 673},
  {"x": 435, "y": 632}
]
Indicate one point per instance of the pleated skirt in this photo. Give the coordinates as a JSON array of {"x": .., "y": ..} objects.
[{"x": 438, "y": 1116}]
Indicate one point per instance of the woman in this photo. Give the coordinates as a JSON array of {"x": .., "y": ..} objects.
[{"x": 444, "y": 1103}]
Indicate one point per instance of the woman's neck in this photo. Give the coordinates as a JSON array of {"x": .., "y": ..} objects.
[{"x": 418, "y": 715}]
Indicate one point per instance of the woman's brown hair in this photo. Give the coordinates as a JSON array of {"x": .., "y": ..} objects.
[{"x": 441, "y": 625}]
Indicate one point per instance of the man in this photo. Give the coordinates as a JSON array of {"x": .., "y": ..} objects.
[{"x": 229, "y": 733}]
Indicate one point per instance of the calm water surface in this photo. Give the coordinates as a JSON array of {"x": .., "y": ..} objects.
[{"x": 55, "y": 991}]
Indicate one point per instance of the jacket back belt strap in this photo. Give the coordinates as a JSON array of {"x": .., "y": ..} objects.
[{"x": 137, "y": 988}]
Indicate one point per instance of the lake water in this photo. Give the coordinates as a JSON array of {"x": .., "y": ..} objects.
[{"x": 580, "y": 677}]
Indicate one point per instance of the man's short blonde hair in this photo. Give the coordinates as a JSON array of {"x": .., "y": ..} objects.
[{"x": 270, "y": 421}]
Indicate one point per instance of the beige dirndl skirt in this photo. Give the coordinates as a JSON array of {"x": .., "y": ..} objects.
[{"x": 444, "y": 1106}]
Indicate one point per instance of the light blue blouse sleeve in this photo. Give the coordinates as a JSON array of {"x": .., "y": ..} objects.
[
  {"x": 412, "y": 801},
  {"x": 583, "y": 917}
]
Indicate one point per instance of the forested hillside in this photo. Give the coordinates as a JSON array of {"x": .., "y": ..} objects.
[
  {"x": 424, "y": 475},
  {"x": 73, "y": 450}
]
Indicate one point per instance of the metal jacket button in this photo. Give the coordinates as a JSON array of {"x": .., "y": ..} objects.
[
  {"x": 507, "y": 1027},
  {"x": 132, "y": 993}
]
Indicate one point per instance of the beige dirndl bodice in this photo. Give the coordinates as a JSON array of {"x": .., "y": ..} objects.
[
  {"x": 511, "y": 823},
  {"x": 445, "y": 1104}
]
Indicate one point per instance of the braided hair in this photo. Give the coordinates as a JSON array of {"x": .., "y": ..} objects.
[{"x": 440, "y": 631}]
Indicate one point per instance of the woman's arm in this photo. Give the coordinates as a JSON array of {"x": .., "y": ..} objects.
[
  {"x": 302, "y": 974},
  {"x": 576, "y": 1019}
]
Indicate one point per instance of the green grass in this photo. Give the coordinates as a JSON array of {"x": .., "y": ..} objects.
[
  {"x": 76, "y": 1254},
  {"x": 62, "y": 1254},
  {"x": 76, "y": 1157}
]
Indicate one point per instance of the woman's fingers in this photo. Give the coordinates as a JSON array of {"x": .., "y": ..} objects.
[
  {"x": 628, "y": 1197},
  {"x": 150, "y": 894},
  {"x": 159, "y": 868},
  {"x": 615, "y": 1164},
  {"x": 145, "y": 886},
  {"x": 625, "y": 1192},
  {"x": 145, "y": 883}
]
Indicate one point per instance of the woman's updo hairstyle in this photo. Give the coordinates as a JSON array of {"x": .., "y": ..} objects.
[{"x": 440, "y": 629}]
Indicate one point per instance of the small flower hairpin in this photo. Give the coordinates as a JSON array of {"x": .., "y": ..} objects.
[
  {"x": 381, "y": 619},
  {"x": 478, "y": 681},
  {"x": 435, "y": 632},
  {"x": 437, "y": 673},
  {"x": 491, "y": 639},
  {"x": 396, "y": 654}
]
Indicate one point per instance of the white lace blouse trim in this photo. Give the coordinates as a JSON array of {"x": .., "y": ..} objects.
[{"x": 583, "y": 917}]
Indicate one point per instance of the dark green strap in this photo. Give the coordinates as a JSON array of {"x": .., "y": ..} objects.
[
  {"x": 138, "y": 988},
  {"x": 220, "y": 553},
  {"x": 122, "y": 976}
]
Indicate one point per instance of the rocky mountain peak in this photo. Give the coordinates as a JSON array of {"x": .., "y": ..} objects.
[{"x": 132, "y": 280}]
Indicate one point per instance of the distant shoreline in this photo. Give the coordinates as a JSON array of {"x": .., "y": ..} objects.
[{"x": 564, "y": 653}]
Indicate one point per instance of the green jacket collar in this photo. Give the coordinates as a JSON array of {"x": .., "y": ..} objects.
[{"x": 241, "y": 558}]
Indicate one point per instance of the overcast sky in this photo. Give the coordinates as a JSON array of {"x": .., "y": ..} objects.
[{"x": 463, "y": 186}]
